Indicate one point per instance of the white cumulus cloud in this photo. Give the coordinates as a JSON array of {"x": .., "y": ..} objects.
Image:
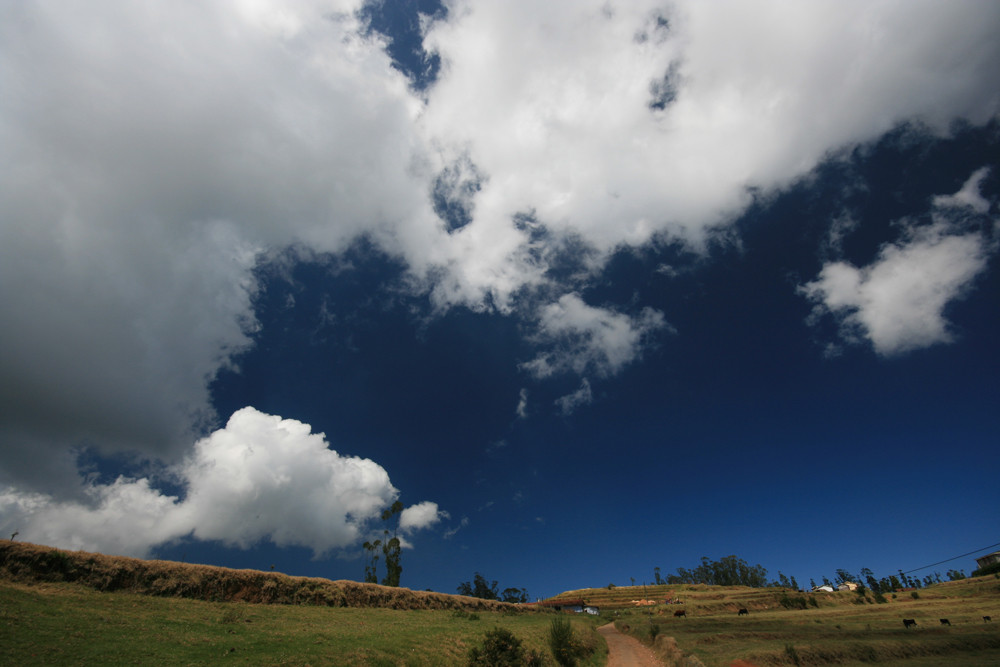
[
  {"x": 897, "y": 302},
  {"x": 584, "y": 338},
  {"x": 617, "y": 122},
  {"x": 259, "y": 478},
  {"x": 421, "y": 515}
]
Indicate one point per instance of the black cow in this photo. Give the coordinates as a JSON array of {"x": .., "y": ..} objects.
[
  {"x": 945, "y": 621},
  {"x": 742, "y": 612},
  {"x": 987, "y": 619},
  {"x": 680, "y": 612},
  {"x": 907, "y": 622}
]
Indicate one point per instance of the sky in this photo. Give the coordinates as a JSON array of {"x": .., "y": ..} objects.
[{"x": 589, "y": 287}]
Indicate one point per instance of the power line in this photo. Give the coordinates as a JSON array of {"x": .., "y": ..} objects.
[{"x": 951, "y": 559}]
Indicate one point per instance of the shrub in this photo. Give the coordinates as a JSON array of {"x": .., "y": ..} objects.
[
  {"x": 992, "y": 568},
  {"x": 797, "y": 602},
  {"x": 565, "y": 647},
  {"x": 915, "y": 595},
  {"x": 792, "y": 654},
  {"x": 502, "y": 649}
]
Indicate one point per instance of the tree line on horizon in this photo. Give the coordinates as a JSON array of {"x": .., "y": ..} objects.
[
  {"x": 479, "y": 587},
  {"x": 735, "y": 571}
]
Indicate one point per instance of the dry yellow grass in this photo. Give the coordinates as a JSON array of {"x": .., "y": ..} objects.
[
  {"x": 28, "y": 563},
  {"x": 837, "y": 630}
]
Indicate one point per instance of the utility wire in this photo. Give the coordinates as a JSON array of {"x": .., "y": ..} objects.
[{"x": 951, "y": 559}]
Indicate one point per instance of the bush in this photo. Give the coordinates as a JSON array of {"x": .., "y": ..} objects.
[
  {"x": 502, "y": 649},
  {"x": 797, "y": 602},
  {"x": 564, "y": 645},
  {"x": 915, "y": 595},
  {"x": 992, "y": 568}
]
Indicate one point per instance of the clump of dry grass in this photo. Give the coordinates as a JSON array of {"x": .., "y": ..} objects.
[{"x": 30, "y": 563}]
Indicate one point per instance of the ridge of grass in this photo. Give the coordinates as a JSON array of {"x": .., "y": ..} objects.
[{"x": 31, "y": 563}]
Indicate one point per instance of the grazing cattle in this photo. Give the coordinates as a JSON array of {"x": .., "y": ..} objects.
[
  {"x": 907, "y": 622},
  {"x": 742, "y": 612},
  {"x": 987, "y": 619},
  {"x": 680, "y": 612},
  {"x": 945, "y": 621}
]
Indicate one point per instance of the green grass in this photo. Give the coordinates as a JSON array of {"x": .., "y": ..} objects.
[{"x": 68, "y": 624}]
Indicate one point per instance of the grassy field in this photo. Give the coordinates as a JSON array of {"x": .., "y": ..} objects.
[
  {"x": 72, "y": 608},
  {"x": 69, "y": 624},
  {"x": 835, "y": 629}
]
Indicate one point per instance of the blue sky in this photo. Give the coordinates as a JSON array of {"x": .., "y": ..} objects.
[{"x": 591, "y": 288}]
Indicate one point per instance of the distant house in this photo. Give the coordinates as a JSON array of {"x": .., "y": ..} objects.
[
  {"x": 593, "y": 611},
  {"x": 823, "y": 589},
  {"x": 847, "y": 586},
  {"x": 988, "y": 559},
  {"x": 577, "y": 606}
]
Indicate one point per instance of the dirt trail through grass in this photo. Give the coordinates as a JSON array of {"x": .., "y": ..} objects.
[{"x": 625, "y": 651}]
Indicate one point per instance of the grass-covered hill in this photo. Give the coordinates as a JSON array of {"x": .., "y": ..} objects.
[
  {"x": 786, "y": 627},
  {"x": 31, "y": 563},
  {"x": 60, "y": 607},
  {"x": 77, "y": 608}
]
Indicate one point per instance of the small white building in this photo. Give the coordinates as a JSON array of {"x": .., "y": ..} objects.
[
  {"x": 823, "y": 589},
  {"x": 847, "y": 586}
]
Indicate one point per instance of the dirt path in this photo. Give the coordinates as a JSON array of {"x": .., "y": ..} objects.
[{"x": 625, "y": 651}]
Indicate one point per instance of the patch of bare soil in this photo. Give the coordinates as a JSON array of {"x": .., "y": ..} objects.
[{"x": 625, "y": 651}]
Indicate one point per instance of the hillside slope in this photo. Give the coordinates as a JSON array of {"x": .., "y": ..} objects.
[
  {"x": 784, "y": 627},
  {"x": 696, "y": 598},
  {"x": 29, "y": 563}
]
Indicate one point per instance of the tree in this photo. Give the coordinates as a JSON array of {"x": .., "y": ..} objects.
[
  {"x": 391, "y": 547},
  {"x": 371, "y": 561},
  {"x": 727, "y": 571},
  {"x": 479, "y": 588},
  {"x": 514, "y": 595},
  {"x": 874, "y": 584},
  {"x": 656, "y": 576}
]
